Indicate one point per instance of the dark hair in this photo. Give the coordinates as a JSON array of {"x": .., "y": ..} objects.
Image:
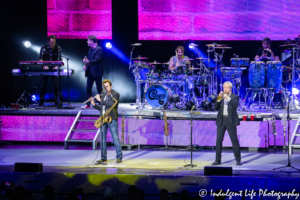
[
  {"x": 51, "y": 37},
  {"x": 267, "y": 40},
  {"x": 93, "y": 38},
  {"x": 181, "y": 48}
]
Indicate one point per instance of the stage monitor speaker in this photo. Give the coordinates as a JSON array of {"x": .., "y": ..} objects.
[
  {"x": 28, "y": 167},
  {"x": 217, "y": 171}
]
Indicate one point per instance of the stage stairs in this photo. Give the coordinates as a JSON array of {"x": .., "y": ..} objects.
[
  {"x": 96, "y": 138},
  {"x": 295, "y": 134},
  {"x": 73, "y": 129}
]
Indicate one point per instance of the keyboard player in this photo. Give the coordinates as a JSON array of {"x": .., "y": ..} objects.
[{"x": 50, "y": 52}]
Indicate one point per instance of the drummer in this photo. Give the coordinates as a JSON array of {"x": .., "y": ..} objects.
[
  {"x": 266, "y": 53},
  {"x": 179, "y": 61}
]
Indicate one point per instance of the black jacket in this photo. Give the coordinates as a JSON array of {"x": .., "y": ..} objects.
[
  {"x": 232, "y": 113},
  {"x": 95, "y": 65},
  {"x": 108, "y": 104}
]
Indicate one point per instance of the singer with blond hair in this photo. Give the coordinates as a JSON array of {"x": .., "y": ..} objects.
[{"x": 227, "y": 119}]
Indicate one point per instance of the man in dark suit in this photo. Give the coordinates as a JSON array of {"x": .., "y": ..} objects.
[
  {"x": 227, "y": 119},
  {"x": 93, "y": 67}
]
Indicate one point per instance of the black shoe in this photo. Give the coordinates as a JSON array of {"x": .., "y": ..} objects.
[
  {"x": 101, "y": 162},
  {"x": 119, "y": 161},
  {"x": 238, "y": 163},
  {"x": 216, "y": 163}
]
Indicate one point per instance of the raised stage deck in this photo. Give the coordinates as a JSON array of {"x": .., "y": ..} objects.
[{"x": 144, "y": 127}]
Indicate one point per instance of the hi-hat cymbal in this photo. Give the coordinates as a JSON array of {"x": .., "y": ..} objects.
[
  {"x": 166, "y": 63},
  {"x": 201, "y": 58},
  {"x": 193, "y": 68},
  {"x": 154, "y": 63},
  {"x": 287, "y": 45},
  {"x": 139, "y": 58}
]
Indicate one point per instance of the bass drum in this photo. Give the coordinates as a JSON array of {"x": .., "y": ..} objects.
[
  {"x": 274, "y": 75},
  {"x": 257, "y": 73},
  {"x": 158, "y": 95}
]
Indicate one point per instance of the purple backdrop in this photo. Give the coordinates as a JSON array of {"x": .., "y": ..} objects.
[
  {"x": 76, "y": 19},
  {"x": 150, "y": 132},
  {"x": 218, "y": 20}
]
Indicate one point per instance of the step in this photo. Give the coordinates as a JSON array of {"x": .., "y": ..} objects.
[
  {"x": 86, "y": 130},
  {"x": 74, "y": 140},
  {"x": 86, "y": 120}
]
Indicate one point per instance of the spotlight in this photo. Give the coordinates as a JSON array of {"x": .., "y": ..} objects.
[
  {"x": 189, "y": 105},
  {"x": 206, "y": 105},
  {"x": 192, "y": 46},
  {"x": 295, "y": 91},
  {"x": 27, "y": 44},
  {"x": 108, "y": 45}
]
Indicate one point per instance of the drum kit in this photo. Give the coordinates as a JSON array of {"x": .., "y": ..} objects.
[{"x": 158, "y": 87}]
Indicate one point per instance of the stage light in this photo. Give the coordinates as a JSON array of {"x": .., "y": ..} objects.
[
  {"x": 27, "y": 44},
  {"x": 206, "y": 105},
  {"x": 108, "y": 45},
  {"x": 295, "y": 91},
  {"x": 192, "y": 46}
]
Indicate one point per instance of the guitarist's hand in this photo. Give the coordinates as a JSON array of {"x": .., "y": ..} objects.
[
  {"x": 86, "y": 61},
  {"x": 84, "y": 68}
]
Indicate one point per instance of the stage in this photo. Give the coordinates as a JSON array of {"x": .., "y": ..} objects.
[{"x": 38, "y": 135}]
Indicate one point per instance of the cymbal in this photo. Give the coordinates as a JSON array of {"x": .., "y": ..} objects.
[
  {"x": 287, "y": 45},
  {"x": 193, "y": 68},
  {"x": 216, "y": 45},
  {"x": 223, "y": 47},
  {"x": 139, "y": 58},
  {"x": 142, "y": 64},
  {"x": 154, "y": 63},
  {"x": 166, "y": 63},
  {"x": 201, "y": 58}
]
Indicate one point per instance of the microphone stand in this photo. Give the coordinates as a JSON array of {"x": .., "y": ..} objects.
[
  {"x": 191, "y": 121},
  {"x": 288, "y": 130},
  {"x": 68, "y": 78}
]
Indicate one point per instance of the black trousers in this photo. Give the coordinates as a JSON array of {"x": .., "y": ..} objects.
[
  {"x": 89, "y": 85},
  {"x": 55, "y": 82},
  {"x": 226, "y": 125}
]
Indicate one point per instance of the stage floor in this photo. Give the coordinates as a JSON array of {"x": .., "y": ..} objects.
[{"x": 146, "y": 161}]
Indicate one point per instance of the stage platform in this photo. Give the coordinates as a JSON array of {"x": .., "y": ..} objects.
[
  {"x": 144, "y": 127},
  {"x": 150, "y": 170}
]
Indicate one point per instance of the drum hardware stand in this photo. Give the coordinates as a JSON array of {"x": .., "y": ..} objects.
[
  {"x": 288, "y": 130},
  {"x": 191, "y": 121},
  {"x": 274, "y": 132},
  {"x": 266, "y": 150}
]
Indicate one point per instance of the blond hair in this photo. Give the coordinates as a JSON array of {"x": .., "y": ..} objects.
[
  {"x": 107, "y": 81},
  {"x": 228, "y": 83}
]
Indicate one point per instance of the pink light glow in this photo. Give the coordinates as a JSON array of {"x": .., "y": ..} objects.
[
  {"x": 76, "y": 19},
  {"x": 218, "y": 20}
]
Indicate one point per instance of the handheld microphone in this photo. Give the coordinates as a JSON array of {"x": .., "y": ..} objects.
[{"x": 136, "y": 44}]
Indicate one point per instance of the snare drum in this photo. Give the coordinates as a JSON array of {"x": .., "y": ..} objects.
[
  {"x": 158, "y": 95},
  {"x": 257, "y": 72},
  {"x": 274, "y": 75}
]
